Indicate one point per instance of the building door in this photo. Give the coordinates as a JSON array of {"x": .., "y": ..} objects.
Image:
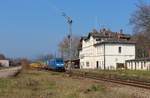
[
  {"x": 120, "y": 66},
  {"x": 97, "y": 64}
]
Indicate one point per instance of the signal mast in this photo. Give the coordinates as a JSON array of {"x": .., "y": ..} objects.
[{"x": 69, "y": 21}]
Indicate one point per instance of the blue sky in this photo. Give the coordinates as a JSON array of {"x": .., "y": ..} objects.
[{"x": 29, "y": 28}]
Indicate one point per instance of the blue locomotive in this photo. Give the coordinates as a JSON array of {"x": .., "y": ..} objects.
[{"x": 56, "y": 64}]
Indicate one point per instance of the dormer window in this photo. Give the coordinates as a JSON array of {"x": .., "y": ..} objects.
[{"x": 98, "y": 39}]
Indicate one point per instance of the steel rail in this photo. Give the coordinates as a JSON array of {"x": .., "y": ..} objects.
[{"x": 145, "y": 85}]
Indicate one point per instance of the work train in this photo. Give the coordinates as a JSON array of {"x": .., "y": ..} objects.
[{"x": 56, "y": 64}]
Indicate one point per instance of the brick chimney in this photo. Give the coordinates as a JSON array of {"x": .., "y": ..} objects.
[{"x": 118, "y": 35}]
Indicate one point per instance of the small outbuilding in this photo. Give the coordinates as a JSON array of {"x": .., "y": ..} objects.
[
  {"x": 75, "y": 63},
  {"x": 138, "y": 64},
  {"x": 4, "y": 63}
]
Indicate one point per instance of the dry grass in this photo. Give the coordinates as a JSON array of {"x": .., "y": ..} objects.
[
  {"x": 124, "y": 74},
  {"x": 38, "y": 84}
]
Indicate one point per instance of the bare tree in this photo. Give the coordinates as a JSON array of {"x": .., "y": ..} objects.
[
  {"x": 140, "y": 20},
  {"x": 24, "y": 62},
  {"x": 142, "y": 46},
  {"x": 64, "y": 47},
  {"x": 2, "y": 57}
]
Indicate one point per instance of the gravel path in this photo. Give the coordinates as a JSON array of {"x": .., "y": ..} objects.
[{"x": 9, "y": 72}]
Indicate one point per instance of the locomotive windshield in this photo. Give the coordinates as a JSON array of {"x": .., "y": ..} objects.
[{"x": 59, "y": 60}]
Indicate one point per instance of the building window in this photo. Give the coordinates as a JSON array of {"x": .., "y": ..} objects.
[
  {"x": 97, "y": 64},
  {"x": 87, "y": 64},
  {"x": 119, "y": 50},
  {"x": 128, "y": 64},
  {"x": 135, "y": 66},
  {"x": 144, "y": 64},
  {"x": 138, "y": 64},
  {"x": 98, "y": 39},
  {"x": 132, "y": 65},
  {"x": 141, "y": 65}
]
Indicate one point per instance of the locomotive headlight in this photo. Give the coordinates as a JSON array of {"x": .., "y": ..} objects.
[{"x": 57, "y": 64}]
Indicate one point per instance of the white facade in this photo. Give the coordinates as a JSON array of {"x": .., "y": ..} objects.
[
  {"x": 105, "y": 54},
  {"x": 138, "y": 64},
  {"x": 4, "y": 63}
]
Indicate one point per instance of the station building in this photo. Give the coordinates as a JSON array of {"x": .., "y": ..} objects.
[{"x": 106, "y": 50}]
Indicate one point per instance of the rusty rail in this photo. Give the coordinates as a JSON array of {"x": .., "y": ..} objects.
[{"x": 135, "y": 83}]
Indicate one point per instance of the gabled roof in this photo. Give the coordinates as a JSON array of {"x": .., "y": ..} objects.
[{"x": 106, "y": 34}]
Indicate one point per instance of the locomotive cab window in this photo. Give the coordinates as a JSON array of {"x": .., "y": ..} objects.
[{"x": 59, "y": 60}]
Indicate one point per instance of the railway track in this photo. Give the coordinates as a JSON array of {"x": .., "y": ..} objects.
[{"x": 135, "y": 83}]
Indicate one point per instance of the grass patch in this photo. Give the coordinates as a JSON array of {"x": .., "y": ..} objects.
[
  {"x": 4, "y": 83},
  {"x": 123, "y": 74},
  {"x": 73, "y": 95},
  {"x": 40, "y": 84},
  {"x": 95, "y": 88},
  {"x": 56, "y": 73},
  {"x": 51, "y": 85},
  {"x": 27, "y": 83}
]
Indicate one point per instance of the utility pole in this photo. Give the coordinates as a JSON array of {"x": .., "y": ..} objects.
[{"x": 69, "y": 21}]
